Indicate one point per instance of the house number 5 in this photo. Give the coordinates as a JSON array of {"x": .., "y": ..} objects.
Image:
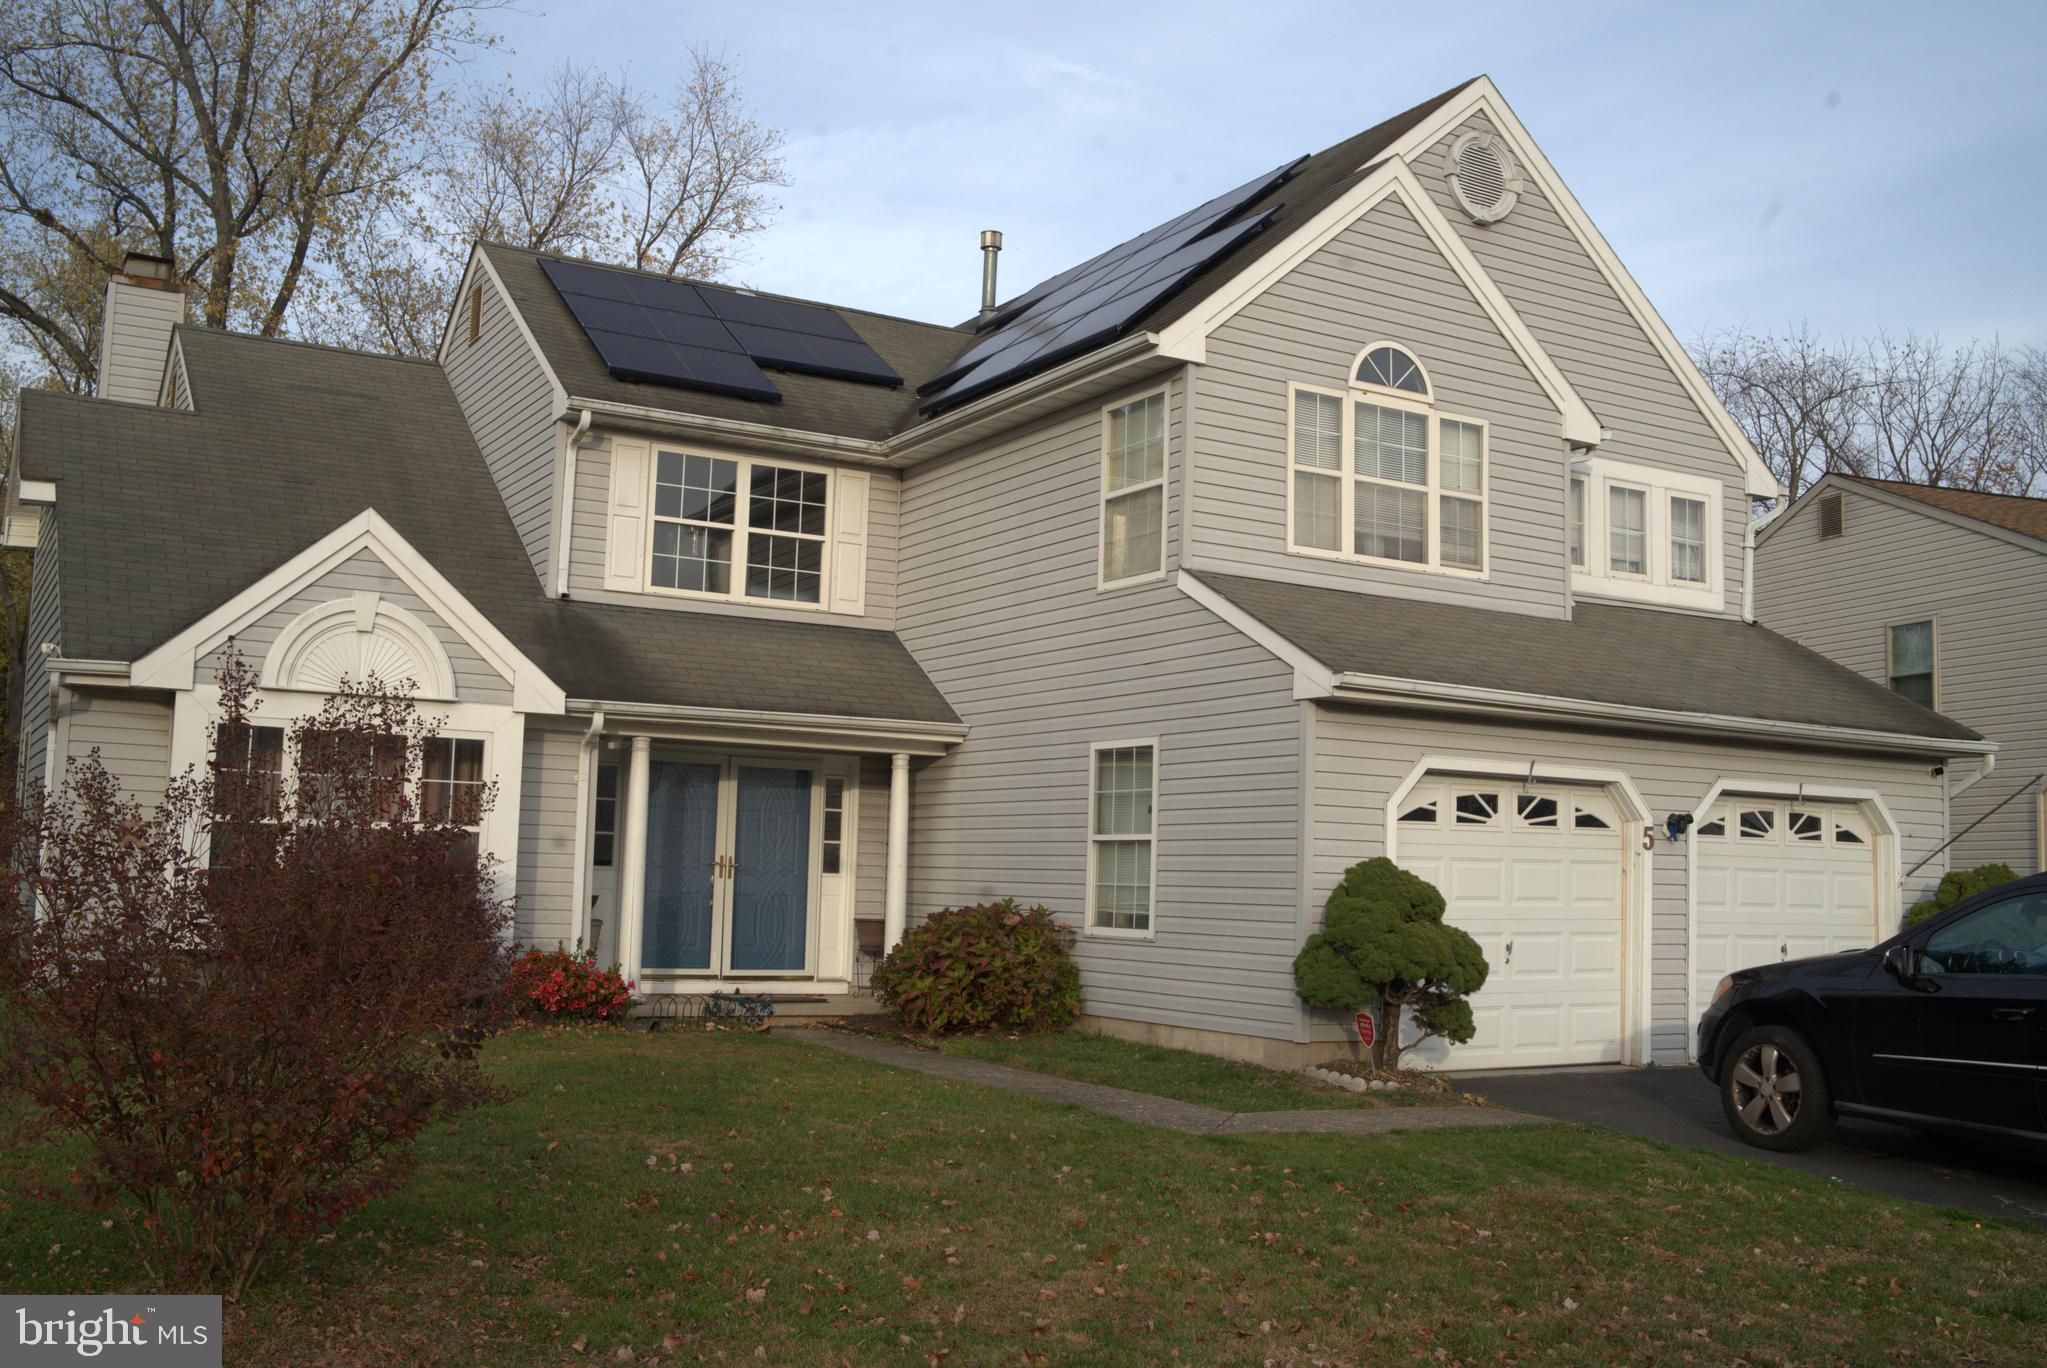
[{"x": 1649, "y": 838}]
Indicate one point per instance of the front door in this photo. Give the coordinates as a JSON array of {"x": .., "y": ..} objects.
[{"x": 730, "y": 859}]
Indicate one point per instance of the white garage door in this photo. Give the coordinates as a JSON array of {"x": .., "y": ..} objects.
[
  {"x": 1534, "y": 874},
  {"x": 1780, "y": 880}
]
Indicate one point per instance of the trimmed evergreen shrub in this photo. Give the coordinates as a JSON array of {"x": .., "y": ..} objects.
[
  {"x": 1384, "y": 945},
  {"x": 991, "y": 967},
  {"x": 1956, "y": 886}
]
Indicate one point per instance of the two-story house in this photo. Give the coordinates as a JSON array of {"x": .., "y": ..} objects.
[
  {"x": 1941, "y": 595},
  {"x": 1367, "y": 508}
]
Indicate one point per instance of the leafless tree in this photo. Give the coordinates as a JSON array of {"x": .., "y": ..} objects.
[
  {"x": 1893, "y": 407},
  {"x": 238, "y": 139}
]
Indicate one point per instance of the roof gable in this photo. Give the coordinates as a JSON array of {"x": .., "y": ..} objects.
[{"x": 2013, "y": 518}]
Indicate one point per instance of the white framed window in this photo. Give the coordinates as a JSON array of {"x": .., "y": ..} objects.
[
  {"x": 1913, "y": 666},
  {"x": 1122, "y": 831},
  {"x": 1376, "y": 474},
  {"x": 1134, "y": 490},
  {"x": 1637, "y": 532},
  {"x": 604, "y": 824},
  {"x": 731, "y": 527}
]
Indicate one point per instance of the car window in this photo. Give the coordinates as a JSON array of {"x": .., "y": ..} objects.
[{"x": 2008, "y": 937}]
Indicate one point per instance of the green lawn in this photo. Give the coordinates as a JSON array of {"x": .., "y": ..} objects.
[
  {"x": 753, "y": 1199},
  {"x": 1181, "y": 1074}
]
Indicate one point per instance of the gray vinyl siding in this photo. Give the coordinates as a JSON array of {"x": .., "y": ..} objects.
[
  {"x": 180, "y": 395},
  {"x": 1560, "y": 293},
  {"x": 547, "y": 839},
  {"x": 506, "y": 396},
  {"x": 476, "y": 681},
  {"x": 1361, "y": 756},
  {"x": 589, "y": 544},
  {"x": 132, "y": 735},
  {"x": 135, "y": 339},
  {"x": 1000, "y": 606},
  {"x": 1897, "y": 565},
  {"x": 1380, "y": 279},
  {"x": 45, "y": 625}
]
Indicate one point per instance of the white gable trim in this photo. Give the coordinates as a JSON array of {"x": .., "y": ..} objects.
[
  {"x": 1482, "y": 96},
  {"x": 174, "y": 364},
  {"x": 479, "y": 263},
  {"x": 359, "y": 637},
  {"x": 1837, "y": 484},
  {"x": 173, "y": 664},
  {"x": 1187, "y": 338}
]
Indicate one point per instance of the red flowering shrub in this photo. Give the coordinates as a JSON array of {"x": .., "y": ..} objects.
[
  {"x": 247, "y": 1042},
  {"x": 567, "y": 985},
  {"x": 992, "y": 967}
]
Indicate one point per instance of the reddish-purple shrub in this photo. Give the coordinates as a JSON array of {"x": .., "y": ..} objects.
[
  {"x": 247, "y": 1049},
  {"x": 992, "y": 967},
  {"x": 567, "y": 985}
]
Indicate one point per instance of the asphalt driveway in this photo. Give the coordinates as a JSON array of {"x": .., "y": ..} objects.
[{"x": 1679, "y": 1106}]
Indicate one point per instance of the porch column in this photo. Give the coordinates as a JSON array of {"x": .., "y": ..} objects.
[
  {"x": 895, "y": 904},
  {"x": 632, "y": 860}
]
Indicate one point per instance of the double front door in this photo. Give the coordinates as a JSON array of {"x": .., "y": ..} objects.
[{"x": 730, "y": 867}]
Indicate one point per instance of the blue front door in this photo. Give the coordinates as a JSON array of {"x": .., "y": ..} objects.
[
  {"x": 770, "y": 870},
  {"x": 682, "y": 865}
]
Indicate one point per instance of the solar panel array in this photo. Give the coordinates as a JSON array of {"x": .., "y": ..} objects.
[
  {"x": 670, "y": 332},
  {"x": 1096, "y": 300}
]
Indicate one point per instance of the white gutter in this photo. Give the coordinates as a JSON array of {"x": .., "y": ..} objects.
[
  {"x": 579, "y": 906},
  {"x": 1418, "y": 693},
  {"x": 877, "y": 732},
  {"x": 758, "y": 435},
  {"x": 1988, "y": 764},
  {"x": 568, "y": 523}
]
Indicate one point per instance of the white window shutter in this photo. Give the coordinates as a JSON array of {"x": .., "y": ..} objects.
[
  {"x": 849, "y": 542},
  {"x": 625, "y": 561}
]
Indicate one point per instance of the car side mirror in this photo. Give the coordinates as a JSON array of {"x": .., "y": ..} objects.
[{"x": 1901, "y": 962}]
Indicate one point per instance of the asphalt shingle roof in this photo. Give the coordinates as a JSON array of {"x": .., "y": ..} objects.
[
  {"x": 1604, "y": 653},
  {"x": 166, "y": 514},
  {"x": 2012, "y": 512}
]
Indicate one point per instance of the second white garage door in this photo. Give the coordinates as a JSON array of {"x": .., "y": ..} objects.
[
  {"x": 1534, "y": 874},
  {"x": 1780, "y": 880}
]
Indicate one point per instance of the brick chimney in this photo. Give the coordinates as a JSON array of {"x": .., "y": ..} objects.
[{"x": 143, "y": 304}]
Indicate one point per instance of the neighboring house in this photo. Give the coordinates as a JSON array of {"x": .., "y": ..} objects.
[
  {"x": 1366, "y": 509},
  {"x": 1940, "y": 595}
]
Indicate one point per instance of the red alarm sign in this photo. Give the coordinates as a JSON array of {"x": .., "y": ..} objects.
[{"x": 1366, "y": 1030}]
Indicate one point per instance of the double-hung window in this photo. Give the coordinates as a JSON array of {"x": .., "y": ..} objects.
[
  {"x": 1122, "y": 818},
  {"x": 1378, "y": 475},
  {"x": 451, "y": 788},
  {"x": 248, "y": 787},
  {"x": 739, "y": 528},
  {"x": 1641, "y": 532},
  {"x": 1134, "y": 490},
  {"x": 1912, "y": 667}
]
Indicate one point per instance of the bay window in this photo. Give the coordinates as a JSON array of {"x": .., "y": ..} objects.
[
  {"x": 1413, "y": 491},
  {"x": 1643, "y": 533},
  {"x": 738, "y": 528}
]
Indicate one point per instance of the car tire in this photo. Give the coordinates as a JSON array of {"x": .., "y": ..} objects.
[{"x": 1773, "y": 1090}]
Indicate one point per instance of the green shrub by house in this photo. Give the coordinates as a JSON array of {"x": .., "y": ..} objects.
[
  {"x": 1384, "y": 945},
  {"x": 991, "y": 967},
  {"x": 1956, "y": 886}
]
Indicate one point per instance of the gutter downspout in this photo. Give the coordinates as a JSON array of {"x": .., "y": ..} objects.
[
  {"x": 579, "y": 893},
  {"x": 1983, "y": 772},
  {"x": 561, "y": 562}
]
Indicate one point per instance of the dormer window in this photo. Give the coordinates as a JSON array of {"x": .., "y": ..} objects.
[
  {"x": 1639, "y": 532},
  {"x": 1379, "y": 475}
]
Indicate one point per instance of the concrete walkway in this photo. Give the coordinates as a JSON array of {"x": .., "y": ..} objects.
[{"x": 1149, "y": 1110}]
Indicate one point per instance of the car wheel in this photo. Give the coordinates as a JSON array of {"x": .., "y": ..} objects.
[{"x": 1773, "y": 1091}]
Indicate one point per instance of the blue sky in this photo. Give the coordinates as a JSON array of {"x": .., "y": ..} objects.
[{"x": 1854, "y": 166}]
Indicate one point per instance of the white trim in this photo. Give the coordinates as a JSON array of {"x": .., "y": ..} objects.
[
  {"x": 1359, "y": 687},
  {"x": 1164, "y": 394},
  {"x": 1886, "y": 852},
  {"x": 1637, "y": 872},
  {"x": 895, "y": 887},
  {"x": 741, "y": 527},
  {"x": 173, "y": 664},
  {"x": 1150, "y": 929},
  {"x": 1428, "y": 394},
  {"x": 1597, "y": 579},
  {"x": 1511, "y": 181},
  {"x": 1187, "y": 337},
  {"x": 35, "y": 492},
  {"x": 817, "y": 731},
  {"x": 1482, "y": 96},
  {"x": 361, "y": 614},
  {"x": 478, "y": 258},
  {"x": 1312, "y": 679}
]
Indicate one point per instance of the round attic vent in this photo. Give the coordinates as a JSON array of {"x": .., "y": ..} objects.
[{"x": 1484, "y": 179}]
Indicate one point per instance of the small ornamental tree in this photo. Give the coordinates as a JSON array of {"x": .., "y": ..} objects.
[
  {"x": 1384, "y": 946},
  {"x": 248, "y": 1002}
]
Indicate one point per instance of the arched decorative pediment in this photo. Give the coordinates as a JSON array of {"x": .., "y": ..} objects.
[{"x": 357, "y": 638}]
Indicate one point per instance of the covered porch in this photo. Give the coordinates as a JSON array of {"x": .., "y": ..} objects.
[{"x": 763, "y": 853}]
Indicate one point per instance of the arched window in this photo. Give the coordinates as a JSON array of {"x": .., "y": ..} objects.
[{"x": 1390, "y": 367}]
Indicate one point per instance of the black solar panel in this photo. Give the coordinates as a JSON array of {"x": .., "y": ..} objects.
[
  {"x": 1099, "y": 298},
  {"x": 700, "y": 337}
]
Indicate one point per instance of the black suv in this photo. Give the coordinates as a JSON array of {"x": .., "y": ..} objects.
[{"x": 1943, "y": 1027}]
